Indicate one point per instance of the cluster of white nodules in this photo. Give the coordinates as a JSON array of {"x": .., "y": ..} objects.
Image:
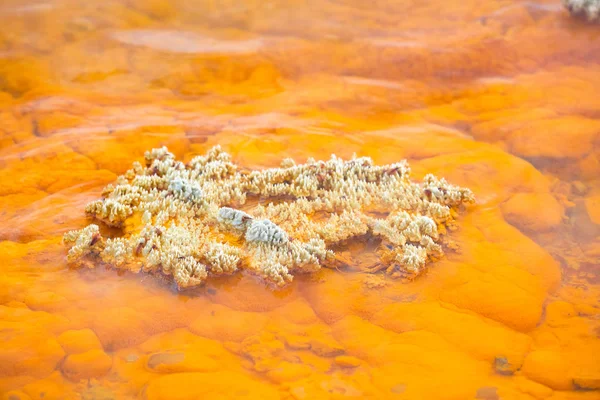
[
  {"x": 413, "y": 236},
  {"x": 266, "y": 231},
  {"x": 232, "y": 217},
  {"x": 82, "y": 241},
  {"x": 185, "y": 189},
  {"x": 185, "y": 220},
  {"x": 588, "y": 9},
  {"x": 272, "y": 254}
]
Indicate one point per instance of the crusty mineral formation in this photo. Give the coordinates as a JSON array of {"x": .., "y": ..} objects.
[
  {"x": 588, "y": 9},
  {"x": 186, "y": 220}
]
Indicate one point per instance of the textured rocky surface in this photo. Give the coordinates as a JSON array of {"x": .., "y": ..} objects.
[
  {"x": 188, "y": 230},
  {"x": 500, "y": 97}
]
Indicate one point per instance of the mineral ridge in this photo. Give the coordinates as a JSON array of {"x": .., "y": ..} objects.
[{"x": 210, "y": 217}]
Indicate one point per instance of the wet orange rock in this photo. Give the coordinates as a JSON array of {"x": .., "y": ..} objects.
[
  {"x": 536, "y": 212},
  {"x": 592, "y": 205},
  {"x": 332, "y": 286},
  {"x": 559, "y": 311},
  {"x": 183, "y": 340},
  {"x": 263, "y": 350},
  {"x": 120, "y": 159},
  {"x": 587, "y": 381},
  {"x": 222, "y": 323},
  {"x": 288, "y": 372},
  {"x": 226, "y": 385},
  {"x": 346, "y": 295},
  {"x": 412, "y": 353},
  {"x": 490, "y": 173},
  {"x": 174, "y": 352},
  {"x": 589, "y": 166},
  {"x": 334, "y": 386},
  {"x": 532, "y": 388},
  {"x": 176, "y": 361},
  {"x": 49, "y": 123},
  {"x": 565, "y": 347},
  {"x": 549, "y": 368},
  {"x": 15, "y": 395},
  {"x": 114, "y": 326},
  {"x": 435, "y": 318},
  {"x": 298, "y": 311},
  {"x": 28, "y": 350},
  {"x": 497, "y": 96},
  {"x": 569, "y": 137},
  {"x": 79, "y": 341},
  {"x": 45, "y": 301},
  {"x": 10, "y": 383},
  {"x": 247, "y": 295},
  {"x": 54, "y": 387},
  {"x": 512, "y": 263},
  {"x": 22, "y": 75},
  {"x": 91, "y": 364},
  {"x": 347, "y": 361}
]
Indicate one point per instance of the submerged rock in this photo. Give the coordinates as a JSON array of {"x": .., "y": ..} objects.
[
  {"x": 193, "y": 385},
  {"x": 533, "y": 212},
  {"x": 91, "y": 364}
]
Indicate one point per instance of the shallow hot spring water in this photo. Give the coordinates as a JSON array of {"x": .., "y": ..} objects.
[{"x": 500, "y": 97}]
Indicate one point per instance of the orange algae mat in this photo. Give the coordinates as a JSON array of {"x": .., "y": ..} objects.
[{"x": 498, "y": 96}]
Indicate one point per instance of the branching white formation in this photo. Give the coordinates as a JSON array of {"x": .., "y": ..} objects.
[
  {"x": 183, "y": 220},
  {"x": 589, "y": 9}
]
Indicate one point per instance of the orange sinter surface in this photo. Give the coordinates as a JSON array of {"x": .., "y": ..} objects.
[{"x": 500, "y": 97}]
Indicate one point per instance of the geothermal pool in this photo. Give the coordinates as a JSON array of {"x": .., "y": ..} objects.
[{"x": 500, "y": 97}]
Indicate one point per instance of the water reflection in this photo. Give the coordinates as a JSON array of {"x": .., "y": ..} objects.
[{"x": 186, "y": 42}]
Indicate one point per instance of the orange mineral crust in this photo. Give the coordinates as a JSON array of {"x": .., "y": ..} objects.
[{"x": 500, "y": 97}]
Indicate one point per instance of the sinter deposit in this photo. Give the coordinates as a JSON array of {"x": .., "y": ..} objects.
[
  {"x": 589, "y": 9},
  {"x": 185, "y": 220}
]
